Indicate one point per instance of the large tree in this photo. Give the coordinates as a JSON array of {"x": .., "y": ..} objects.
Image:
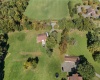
[
  {"x": 11, "y": 15},
  {"x": 51, "y": 42},
  {"x": 96, "y": 56},
  {"x": 63, "y": 42},
  {"x": 93, "y": 40},
  {"x": 82, "y": 24},
  {"x": 3, "y": 51},
  {"x": 86, "y": 70}
]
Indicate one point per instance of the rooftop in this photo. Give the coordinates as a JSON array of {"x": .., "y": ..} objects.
[
  {"x": 75, "y": 77},
  {"x": 68, "y": 66},
  {"x": 72, "y": 58},
  {"x": 41, "y": 37}
]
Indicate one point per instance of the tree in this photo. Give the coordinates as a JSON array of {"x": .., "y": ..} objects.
[
  {"x": 49, "y": 52},
  {"x": 54, "y": 34},
  {"x": 11, "y": 15},
  {"x": 86, "y": 70},
  {"x": 51, "y": 42},
  {"x": 63, "y": 42},
  {"x": 93, "y": 40},
  {"x": 3, "y": 51},
  {"x": 96, "y": 56},
  {"x": 70, "y": 4},
  {"x": 63, "y": 46},
  {"x": 63, "y": 79},
  {"x": 31, "y": 63},
  {"x": 74, "y": 10}
]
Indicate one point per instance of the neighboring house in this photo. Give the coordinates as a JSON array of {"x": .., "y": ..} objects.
[
  {"x": 70, "y": 63},
  {"x": 75, "y": 77},
  {"x": 90, "y": 12},
  {"x": 42, "y": 38}
]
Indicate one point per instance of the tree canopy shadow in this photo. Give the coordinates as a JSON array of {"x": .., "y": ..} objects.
[
  {"x": 82, "y": 59},
  {"x": 4, "y": 50}
]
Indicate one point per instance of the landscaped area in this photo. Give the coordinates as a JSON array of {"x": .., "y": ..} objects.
[
  {"x": 23, "y": 45},
  {"x": 48, "y": 9}
]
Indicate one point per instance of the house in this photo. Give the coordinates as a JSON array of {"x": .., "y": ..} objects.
[
  {"x": 75, "y": 77},
  {"x": 70, "y": 63},
  {"x": 90, "y": 11},
  {"x": 42, "y": 38}
]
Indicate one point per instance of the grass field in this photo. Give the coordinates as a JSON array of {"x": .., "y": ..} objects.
[
  {"x": 48, "y": 9},
  {"x": 23, "y": 47},
  {"x": 81, "y": 48}
]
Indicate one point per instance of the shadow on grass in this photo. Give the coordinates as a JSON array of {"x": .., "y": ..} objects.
[{"x": 4, "y": 48}]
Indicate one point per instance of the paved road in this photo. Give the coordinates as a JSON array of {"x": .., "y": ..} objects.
[{"x": 98, "y": 75}]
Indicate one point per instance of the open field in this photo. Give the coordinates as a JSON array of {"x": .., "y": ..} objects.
[
  {"x": 23, "y": 47},
  {"x": 48, "y": 9},
  {"x": 96, "y": 78},
  {"x": 81, "y": 48}
]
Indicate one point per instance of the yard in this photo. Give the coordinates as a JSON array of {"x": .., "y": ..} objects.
[
  {"x": 48, "y": 9},
  {"x": 80, "y": 48},
  {"x": 23, "y": 45}
]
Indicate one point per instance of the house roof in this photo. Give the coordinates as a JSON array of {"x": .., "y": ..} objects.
[
  {"x": 72, "y": 58},
  {"x": 75, "y": 77},
  {"x": 41, "y": 37},
  {"x": 68, "y": 66},
  {"x": 90, "y": 10}
]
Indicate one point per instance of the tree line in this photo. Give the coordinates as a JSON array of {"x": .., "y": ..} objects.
[
  {"x": 12, "y": 17},
  {"x": 93, "y": 43},
  {"x": 3, "y": 51},
  {"x": 82, "y": 24}
]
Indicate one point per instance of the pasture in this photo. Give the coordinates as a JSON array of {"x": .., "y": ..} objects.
[{"x": 48, "y": 9}]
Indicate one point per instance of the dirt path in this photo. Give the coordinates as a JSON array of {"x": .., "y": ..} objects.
[{"x": 98, "y": 75}]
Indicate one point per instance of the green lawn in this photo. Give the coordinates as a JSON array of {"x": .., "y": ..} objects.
[
  {"x": 48, "y": 9},
  {"x": 23, "y": 47},
  {"x": 81, "y": 49},
  {"x": 96, "y": 78}
]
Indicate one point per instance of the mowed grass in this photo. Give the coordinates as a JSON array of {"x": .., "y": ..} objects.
[
  {"x": 80, "y": 48},
  {"x": 48, "y": 9},
  {"x": 23, "y": 47}
]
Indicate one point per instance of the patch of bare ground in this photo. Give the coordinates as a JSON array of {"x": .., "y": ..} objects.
[
  {"x": 31, "y": 53},
  {"x": 18, "y": 60}
]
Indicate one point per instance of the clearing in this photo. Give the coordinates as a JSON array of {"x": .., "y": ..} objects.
[
  {"x": 48, "y": 9},
  {"x": 21, "y": 48}
]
